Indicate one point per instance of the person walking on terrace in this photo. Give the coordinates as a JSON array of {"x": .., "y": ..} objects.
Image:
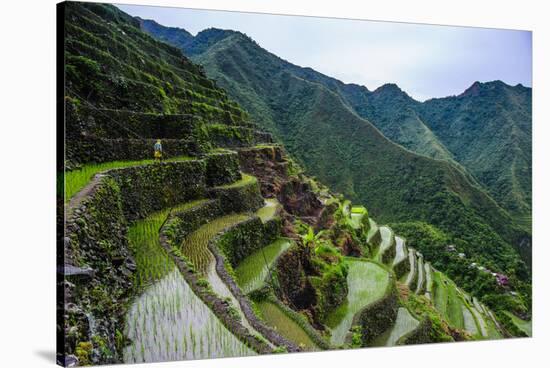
[{"x": 158, "y": 150}]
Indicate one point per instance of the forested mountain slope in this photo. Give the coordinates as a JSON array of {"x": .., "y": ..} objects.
[
  {"x": 223, "y": 246},
  {"x": 317, "y": 117},
  {"x": 472, "y": 129}
]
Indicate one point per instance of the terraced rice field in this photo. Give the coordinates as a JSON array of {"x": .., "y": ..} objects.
[
  {"x": 525, "y": 326},
  {"x": 429, "y": 280},
  {"x": 252, "y": 272},
  {"x": 151, "y": 260},
  {"x": 420, "y": 272},
  {"x": 245, "y": 180},
  {"x": 470, "y": 322},
  {"x": 195, "y": 246},
  {"x": 454, "y": 307},
  {"x": 77, "y": 179},
  {"x": 268, "y": 211},
  {"x": 367, "y": 282},
  {"x": 285, "y": 326},
  {"x": 372, "y": 230},
  {"x": 412, "y": 264},
  {"x": 357, "y": 214},
  {"x": 404, "y": 324},
  {"x": 387, "y": 241},
  {"x": 169, "y": 322},
  {"x": 440, "y": 291},
  {"x": 400, "y": 250}
]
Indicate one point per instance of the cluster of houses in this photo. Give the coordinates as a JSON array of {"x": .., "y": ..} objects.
[{"x": 501, "y": 279}]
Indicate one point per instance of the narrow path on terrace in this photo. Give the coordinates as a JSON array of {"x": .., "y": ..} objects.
[
  {"x": 78, "y": 180},
  {"x": 367, "y": 282}
]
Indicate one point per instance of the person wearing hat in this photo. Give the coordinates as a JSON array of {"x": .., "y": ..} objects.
[{"x": 158, "y": 150}]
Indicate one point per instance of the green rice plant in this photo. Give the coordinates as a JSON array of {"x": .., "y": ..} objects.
[
  {"x": 152, "y": 262},
  {"x": 440, "y": 291},
  {"x": 77, "y": 179},
  {"x": 195, "y": 246},
  {"x": 161, "y": 327},
  {"x": 284, "y": 325},
  {"x": 252, "y": 272},
  {"x": 367, "y": 282},
  {"x": 455, "y": 316}
]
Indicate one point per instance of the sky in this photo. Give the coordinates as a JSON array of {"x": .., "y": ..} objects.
[{"x": 425, "y": 61}]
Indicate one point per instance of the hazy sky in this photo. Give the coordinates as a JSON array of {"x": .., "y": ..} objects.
[{"x": 425, "y": 61}]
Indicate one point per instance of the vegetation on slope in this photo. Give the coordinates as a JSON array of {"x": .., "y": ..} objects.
[{"x": 313, "y": 122}]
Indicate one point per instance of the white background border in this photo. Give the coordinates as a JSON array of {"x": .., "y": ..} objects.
[{"x": 27, "y": 180}]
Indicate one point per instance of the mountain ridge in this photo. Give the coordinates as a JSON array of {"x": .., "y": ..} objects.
[{"x": 313, "y": 114}]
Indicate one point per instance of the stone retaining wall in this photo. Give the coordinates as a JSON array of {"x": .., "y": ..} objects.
[{"x": 94, "y": 149}]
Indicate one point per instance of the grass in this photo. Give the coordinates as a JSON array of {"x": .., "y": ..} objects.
[
  {"x": 195, "y": 246},
  {"x": 77, "y": 179},
  {"x": 151, "y": 260},
  {"x": 367, "y": 282},
  {"x": 268, "y": 211},
  {"x": 525, "y": 326},
  {"x": 404, "y": 324},
  {"x": 252, "y": 271},
  {"x": 284, "y": 325}
]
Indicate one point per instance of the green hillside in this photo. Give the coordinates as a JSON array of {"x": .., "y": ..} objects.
[
  {"x": 224, "y": 246},
  {"x": 488, "y": 129},
  {"x": 347, "y": 152}
]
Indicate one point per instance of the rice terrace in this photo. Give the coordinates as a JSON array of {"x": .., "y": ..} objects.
[{"x": 218, "y": 201}]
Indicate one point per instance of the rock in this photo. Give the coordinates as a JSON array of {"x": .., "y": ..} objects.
[
  {"x": 69, "y": 361},
  {"x": 76, "y": 273}
]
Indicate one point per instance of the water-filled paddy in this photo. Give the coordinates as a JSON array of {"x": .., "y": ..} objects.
[
  {"x": 268, "y": 211},
  {"x": 286, "y": 326},
  {"x": 387, "y": 241},
  {"x": 404, "y": 324},
  {"x": 169, "y": 322},
  {"x": 252, "y": 272},
  {"x": 400, "y": 250},
  {"x": 367, "y": 282}
]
